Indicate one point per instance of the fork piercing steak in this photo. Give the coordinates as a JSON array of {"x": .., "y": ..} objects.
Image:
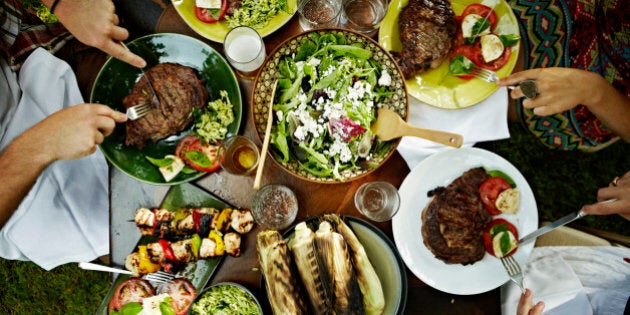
[{"x": 177, "y": 91}]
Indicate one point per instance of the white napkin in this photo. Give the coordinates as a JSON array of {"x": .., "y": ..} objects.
[
  {"x": 484, "y": 121},
  {"x": 65, "y": 216},
  {"x": 574, "y": 280}
]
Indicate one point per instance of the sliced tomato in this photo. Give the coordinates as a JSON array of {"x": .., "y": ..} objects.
[
  {"x": 133, "y": 289},
  {"x": 499, "y": 62},
  {"x": 205, "y": 15},
  {"x": 182, "y": 293},
  {"x": 483, "y": 11},
  {"x": 201, "y": 157},
  {"x": 489, "y": 190},
  {"x": 492, "y": 229}
]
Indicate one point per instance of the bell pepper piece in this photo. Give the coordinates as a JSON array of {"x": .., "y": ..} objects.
[
  {"x": 168, "y": 251},
  {"x": 222, "y": 222},
  {"x": 217, "y": 237},
  {"x": 195, "y": 243},
  {"x": 146, "y": 265}
]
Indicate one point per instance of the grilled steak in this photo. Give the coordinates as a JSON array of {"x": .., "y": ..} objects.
[
  {"x": 453, "y": 222},
  {"x": 177, "y": 92},
  {"x": 427, "y": 29}
]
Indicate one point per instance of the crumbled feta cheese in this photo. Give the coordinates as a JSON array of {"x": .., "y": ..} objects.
[
  {"x": 340, "y": 147},
  {"x": 358, "y": 90},
  {"x": 385, "y": 79},
  {"x": 280, "y": 115}
]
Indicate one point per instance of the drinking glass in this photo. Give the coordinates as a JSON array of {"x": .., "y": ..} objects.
[
  {"x": 363, "y": 16},
  {"x": 319, "y": 13},
  {"x": 245, "y": 50},
  {"x": 378, "y": 201},
  {"x": 274, "y": 207},
  {"x": 238, "y": 155}
]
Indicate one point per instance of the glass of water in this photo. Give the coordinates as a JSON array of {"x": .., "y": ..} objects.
[
  {"x": 378, "y": 201},
  {"x": 245, "y": 50},
  {"x": 319, "y": 13},
  {"x": 363, "y": 16}
]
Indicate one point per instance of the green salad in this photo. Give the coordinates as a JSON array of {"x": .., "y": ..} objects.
[
  {"x": 226, "y": 300},
  {"x": 326, "y": 100}
]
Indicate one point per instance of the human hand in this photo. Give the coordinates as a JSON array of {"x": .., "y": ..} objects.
[
  {"x": 559, "y": 89},
  {"x": 617, "y": 197},
  {"x": 76, "y": 131},
  {"x": 525, "y": 305},
  {"x": 95, "y": 23}
]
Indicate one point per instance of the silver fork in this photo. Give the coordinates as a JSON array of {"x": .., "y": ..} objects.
[
  {"x": 159, "y": 277},
  {"x": 514, "y": 271},
  {"x": 484, "y": 74},
  {"x": 137, "y": 111}
]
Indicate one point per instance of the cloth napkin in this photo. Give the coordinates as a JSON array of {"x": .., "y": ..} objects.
[
  {"x": 65, "y": 216},
  {"x": 484, "y": 121},
  {"x": 574, "y": 280}
]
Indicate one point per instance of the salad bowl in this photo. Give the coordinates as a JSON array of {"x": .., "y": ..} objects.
[{"x": 329, "y": 84}]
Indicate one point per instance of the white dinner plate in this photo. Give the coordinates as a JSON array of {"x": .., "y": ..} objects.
[{"x": 441, "y": 169}]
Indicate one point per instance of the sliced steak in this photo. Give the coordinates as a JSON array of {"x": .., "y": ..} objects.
[
  {"x": 427, "y": 29},
  {"x": 453, "y": 222},
  {"x": 177, "y": 92}
]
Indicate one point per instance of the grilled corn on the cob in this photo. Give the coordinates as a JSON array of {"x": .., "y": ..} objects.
[
  {"x": 336, "y": 257},
  {"x": 369, "y": 283},
  {"x": 302, "y": 247},
  {"x": 283, "y": 291}
]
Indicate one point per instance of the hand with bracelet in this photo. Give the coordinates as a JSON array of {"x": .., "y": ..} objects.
[{"x": 95, "y": 23}]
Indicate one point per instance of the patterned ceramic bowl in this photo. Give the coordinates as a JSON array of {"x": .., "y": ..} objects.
[{"x": 391, "y": 88}]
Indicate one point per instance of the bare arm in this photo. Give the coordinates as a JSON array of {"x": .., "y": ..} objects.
[
  {"x": 95, "y": 23},
  {"x": 560, "y": 89},
  {"x": 68, "y": 134}
]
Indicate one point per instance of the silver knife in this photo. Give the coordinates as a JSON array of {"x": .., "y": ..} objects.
[
  {"x": 552, "y": 226},
  {"x": 556, "y": 224}
]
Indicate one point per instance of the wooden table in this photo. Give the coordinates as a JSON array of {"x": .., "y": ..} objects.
[{"x": 128, "y": 194}]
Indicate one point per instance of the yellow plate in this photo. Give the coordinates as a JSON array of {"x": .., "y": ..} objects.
[
  {"x": 436, "y": 87},
  {"x": 217, "y": 31}
]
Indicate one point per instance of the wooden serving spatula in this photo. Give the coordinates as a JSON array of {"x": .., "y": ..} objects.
[{"x": 390, "y": 125}]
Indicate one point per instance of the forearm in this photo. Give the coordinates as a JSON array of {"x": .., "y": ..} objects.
[
  {"x": 21, "y": 163},
  {"x": 610, "y": 106}
]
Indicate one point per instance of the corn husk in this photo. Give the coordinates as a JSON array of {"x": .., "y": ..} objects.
[{"x": 284, "y": 292}]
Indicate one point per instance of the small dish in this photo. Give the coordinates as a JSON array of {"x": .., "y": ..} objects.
[{"x": 218, "y": 292}]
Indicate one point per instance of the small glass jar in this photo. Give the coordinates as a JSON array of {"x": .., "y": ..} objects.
[{"x": 274, "y": 207}]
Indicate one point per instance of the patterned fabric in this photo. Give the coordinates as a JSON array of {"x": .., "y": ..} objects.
[
  {"x": 585, "y": 34},
  {"x": 22, "y": 32}
]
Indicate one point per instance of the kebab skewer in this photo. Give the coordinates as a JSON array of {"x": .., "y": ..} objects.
[{"x": 180, "y": 236}]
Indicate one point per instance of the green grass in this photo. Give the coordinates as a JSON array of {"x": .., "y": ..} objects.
[{"x": 561, "y": 181}]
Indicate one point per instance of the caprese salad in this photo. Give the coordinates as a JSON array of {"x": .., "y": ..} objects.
[
  {"x": 478, "y": 43},
  {"x": 500, "y": 195}
]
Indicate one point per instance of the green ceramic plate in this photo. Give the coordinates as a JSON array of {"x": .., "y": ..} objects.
[
  {"x": 116, "y": 79},
  {"x": 217, "y": 31},
  {"x": 435, "y": 87},
  {"x": 199, "y": 272}
]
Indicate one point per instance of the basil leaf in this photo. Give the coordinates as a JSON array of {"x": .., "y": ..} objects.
[
  {"x": 497, "y": 173},
  {"x": 498, "y": 228},
  {"x": 460, "y": 65},
  {"x": 509, "y": 40},
  {"x": 199, "y": 158},
  {"x": 480, "y": 26},
  {"x": 504, "y": 243},
  {"x": 160, "y": 162}
]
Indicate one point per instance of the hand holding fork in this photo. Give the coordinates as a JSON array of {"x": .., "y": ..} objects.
[{"x": 528, "y": 87}]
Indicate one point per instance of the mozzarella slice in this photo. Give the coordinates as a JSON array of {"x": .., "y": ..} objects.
[
  {"x": 170, "y": 171},
  {"x": 491, "y": 47},
  {"x": 508, "y": 201},
  {"x": 469, "y": 22},
  {"x": 496, "y": 244},
  {"x": 151, "y": 305},
  {"x": 208, "y": 4}
]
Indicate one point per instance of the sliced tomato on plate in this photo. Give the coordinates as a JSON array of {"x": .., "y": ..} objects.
[
  {"x": 483, "y": 11},
  {"x": 182, "y": 293},
  {"x": 495, "y": 227},
  {"x": 212, "y": 15},
  {"x": 133, "y": 289},
  {"x": 489, "y": 191},
  {"x": 199, "y": 156}
]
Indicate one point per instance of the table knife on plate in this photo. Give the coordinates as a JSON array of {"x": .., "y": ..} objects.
[{"x": 556, "y": 224}]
